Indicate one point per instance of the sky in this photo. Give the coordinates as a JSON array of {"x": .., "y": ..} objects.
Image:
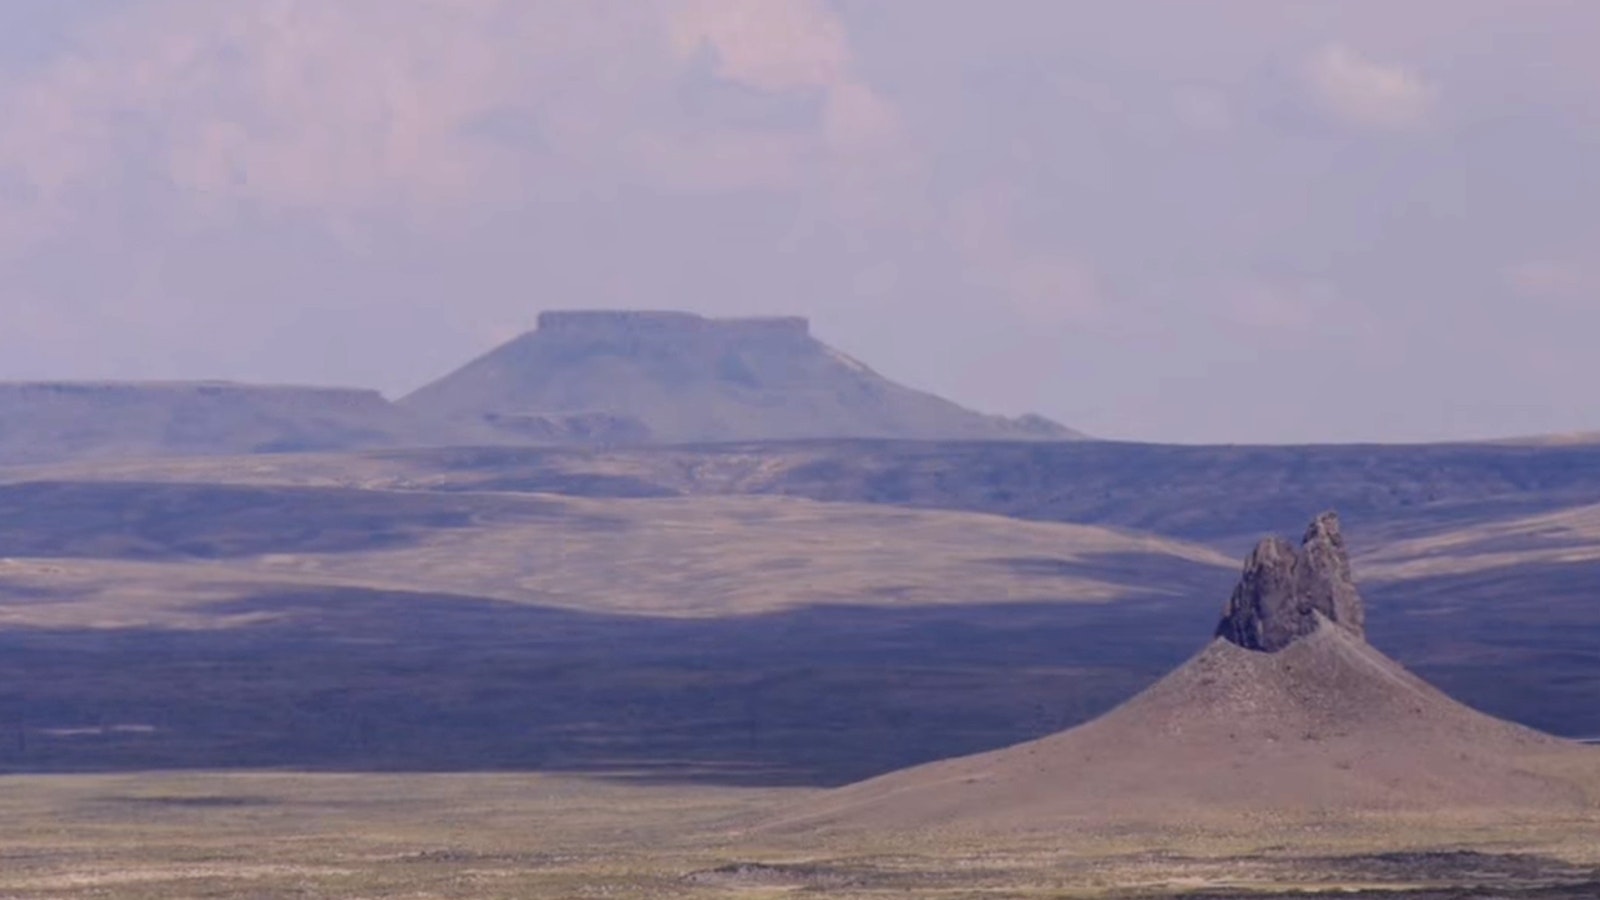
[{"x": 1230, "y": 221}]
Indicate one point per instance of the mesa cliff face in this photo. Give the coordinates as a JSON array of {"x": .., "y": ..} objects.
[
  {"x": 673, "y": 377},
  {"x": 1284, "y": 594}
]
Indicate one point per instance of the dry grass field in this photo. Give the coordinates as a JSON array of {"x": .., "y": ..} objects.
[
  {"x": 706, "y": 556},
  {"x": 287, "y": 835},
  {"x": 771, "y": 639}
]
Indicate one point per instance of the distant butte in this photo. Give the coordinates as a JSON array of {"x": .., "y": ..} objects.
[{"x": 675, "y": 377}]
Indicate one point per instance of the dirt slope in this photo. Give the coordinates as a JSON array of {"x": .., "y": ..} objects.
[{"x": 1328, "y": 726}]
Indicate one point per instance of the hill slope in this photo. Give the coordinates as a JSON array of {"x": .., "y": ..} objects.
[
  {"x": 683, "y": 378},
  {"x": 1325, "y": 726},
  {"x": 1328, "y": 725}
]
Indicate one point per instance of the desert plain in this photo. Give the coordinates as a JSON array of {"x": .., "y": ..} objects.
[{"x": 606, "y": 673}]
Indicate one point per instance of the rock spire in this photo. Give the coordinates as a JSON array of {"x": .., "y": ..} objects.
[{"x": 1284, "y": 594}]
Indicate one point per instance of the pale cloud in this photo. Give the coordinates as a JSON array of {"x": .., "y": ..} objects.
[
  {"x": 1543, "y": 277},
  {"x": 856, "y": 157},
  {"x": 1203, "y": 109},
  {"x": 389, "y": 107},
  {"x": 1285, "y": 306},
  {"x": 290, "y": 105},
  {"x": 783, "y": 45},
  {"x": 773, "y": 46},
  {"x": 1557, "y": 281},
  {"x": 1047, "y": 284},
  {"x": 1366, "y": 93}
]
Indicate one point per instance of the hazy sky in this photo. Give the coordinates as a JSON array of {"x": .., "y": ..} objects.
[{"x": 1232, "y": 220}]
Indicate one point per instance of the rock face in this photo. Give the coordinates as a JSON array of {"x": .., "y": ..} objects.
[
  {"x": 1284, "y": 593},
  {"x": 680, "y": 378}
]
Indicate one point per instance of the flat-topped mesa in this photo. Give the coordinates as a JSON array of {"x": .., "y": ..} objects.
[
  {"x": 1285, "y": 594},
  {"x": 48, "y": 421},
  {"x": 680, "y": 378},
  {"x": 16, "y": 396},
  {"x": 173, "y": 388},
  {"x": 592, "y": 324}
]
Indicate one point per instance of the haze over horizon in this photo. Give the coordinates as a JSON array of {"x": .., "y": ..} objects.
[{"x": 1243, "y": 221}]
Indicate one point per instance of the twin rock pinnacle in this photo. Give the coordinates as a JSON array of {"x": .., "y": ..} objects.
[{"x": 1284, "y": 593}]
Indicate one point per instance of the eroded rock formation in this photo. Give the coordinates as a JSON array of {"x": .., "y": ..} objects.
[{"x": 1284, "y": 593}]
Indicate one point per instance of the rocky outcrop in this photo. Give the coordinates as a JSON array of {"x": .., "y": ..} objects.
[
  {"x": 599, "y": 324},
  {"x": 1285, "y": 594}
]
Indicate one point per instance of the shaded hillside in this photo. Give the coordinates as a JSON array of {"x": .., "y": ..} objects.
[
  {"x": 1502, "y": 612},
  {"x": 683, "y": 378},
  {"x": 330, "y": 677},
  {"x": 1223, "y": 494},
  {"x": 1226, "y": 496},
  {"x": 744, "y": 640},
  {"x": 51, "y": 421},
  {"x": 739, "y": 639},
  {"x": 1480, "y": 560},
  {"x": 357, "y": 619}
]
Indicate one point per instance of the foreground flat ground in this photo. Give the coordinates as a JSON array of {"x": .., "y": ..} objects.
[{"x": 271, "y": 835}]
